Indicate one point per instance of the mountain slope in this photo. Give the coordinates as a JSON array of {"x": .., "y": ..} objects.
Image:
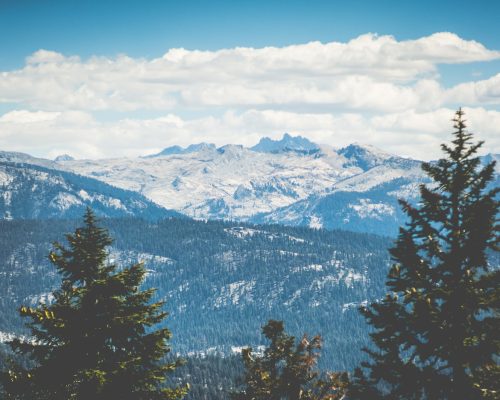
[
  {"x": 180, "y": 150},
  {"x": 220, "y": 281},
  {"x": 28, "y": 191},
  {"x": 375, "y": 210}
]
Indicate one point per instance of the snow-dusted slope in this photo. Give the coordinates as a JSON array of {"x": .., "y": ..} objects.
[
  {"x": 234, "y": 182},
  {"x": 22, "y": 158},
  {"x": 28, "y": 191},
  {"x": 228, "y": 182}
]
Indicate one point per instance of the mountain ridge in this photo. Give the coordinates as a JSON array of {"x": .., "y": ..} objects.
[{"x": 288, "y": 181}]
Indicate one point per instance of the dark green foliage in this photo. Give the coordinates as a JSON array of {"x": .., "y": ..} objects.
[
  {"x": 95, "y": 340},
  {"x": 287, "y": 370},
  {"x": 210, "y": 377},
  {"x": 437, "y": 332}
]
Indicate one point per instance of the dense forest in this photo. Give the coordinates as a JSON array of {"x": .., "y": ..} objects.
[{"x": 215, "y": 274}]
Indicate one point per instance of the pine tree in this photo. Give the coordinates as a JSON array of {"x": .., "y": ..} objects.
[
  {"x": 436, "y": 334},
  {"x": 96, "y": 340},
  {"x": 286, "y": 371}
]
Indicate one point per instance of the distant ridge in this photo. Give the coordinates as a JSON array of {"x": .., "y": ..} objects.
[
  {"x": 287, "y": 143},
  {"x": 63, "y": 157},
  {"x": 363, "y": 156},
  {"x": 192, "y": 148}
]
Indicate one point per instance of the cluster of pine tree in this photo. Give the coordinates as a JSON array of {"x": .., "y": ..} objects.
[
  {"x": 437, "y": 332},
  {"x": 435, "y": 335},
  {"x": 93, "y": 341}
]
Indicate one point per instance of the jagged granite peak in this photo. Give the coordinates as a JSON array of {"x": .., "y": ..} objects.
[
  {"x": 64, "y": 157},
  {"x": 364, "y": 156},
  {"x": 192, "y": 148},
  {"x": 287, "y": 143}
]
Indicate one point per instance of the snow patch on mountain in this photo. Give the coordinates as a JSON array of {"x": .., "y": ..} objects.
[
  {"x": 366, "y": 208},
  {"x": 233, "y": 293}
]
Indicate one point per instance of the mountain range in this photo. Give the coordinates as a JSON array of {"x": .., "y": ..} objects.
[{"x": 291, "y": 181}]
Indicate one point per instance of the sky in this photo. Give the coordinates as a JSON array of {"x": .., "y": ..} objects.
[{"x": 98, "y": 79}]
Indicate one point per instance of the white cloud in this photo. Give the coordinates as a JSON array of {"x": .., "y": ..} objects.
[
  {"x": 27, "y": 117},
  {"x": 46, "y": 56},
  {"x": 372, "y": 89},
  {"x": 367, "y": 73},
  {"x": 480, "y": 92},
  {"x": 410, "y": 133}
]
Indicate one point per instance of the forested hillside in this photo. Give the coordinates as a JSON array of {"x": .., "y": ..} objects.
[{"x": 221, "y": 281}]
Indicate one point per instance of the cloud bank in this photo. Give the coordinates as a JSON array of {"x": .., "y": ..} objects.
[{"x": 373, "y": 89}]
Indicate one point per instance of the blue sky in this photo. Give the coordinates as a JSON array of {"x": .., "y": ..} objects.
[{"x": 147, "y": 30}]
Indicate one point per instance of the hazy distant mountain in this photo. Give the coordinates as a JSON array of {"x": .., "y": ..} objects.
[
  {"x": 64, "y": 157},
  {"x": 365, "y": 156},
  {"x": 298, "y": 144},
  {"x": 239, "y": 183},
  {"x": 22, "y": 158},
  {"x": 193, "y": 148}
]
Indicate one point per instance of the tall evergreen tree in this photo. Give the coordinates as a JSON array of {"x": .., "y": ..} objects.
[
  {"x": 96, "y": 339},
  {"x": 286, "y": 371},
  {"x": 436, "y": 334}
]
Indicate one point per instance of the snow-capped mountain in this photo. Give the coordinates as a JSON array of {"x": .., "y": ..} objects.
[
  {"x": 288, "y": 181},
  {"x": 22, "y": 158},
  {"x": 366, "y": 156},
  {"x": 235, "y": 182},
  {"x": 228, "y": 182},
  {"x": 29, "y": 191}
]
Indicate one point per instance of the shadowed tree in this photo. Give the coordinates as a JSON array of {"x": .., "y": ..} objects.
[
  {"x": 436, "y": 334},
  {"x": 286, "y": 371},
  {"x": 96, "y": 339}
]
